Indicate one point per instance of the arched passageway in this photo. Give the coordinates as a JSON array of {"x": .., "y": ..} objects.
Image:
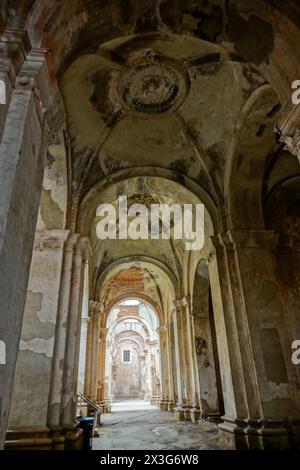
[
  {"x": 168, "y": 106},
  {"x": 132, "y": 366}
]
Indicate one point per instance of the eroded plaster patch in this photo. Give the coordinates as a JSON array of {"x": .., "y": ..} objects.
[
  {"x": 51, "y": 213},
  {"x": 38, "y": 346}
]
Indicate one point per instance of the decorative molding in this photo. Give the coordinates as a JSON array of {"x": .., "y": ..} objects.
[
  {"x": 183, "y": 302},
  {"x": 50, "y": 239},
  {"x": 152, "y": 88},
  {"x": 26, "y": 68}
]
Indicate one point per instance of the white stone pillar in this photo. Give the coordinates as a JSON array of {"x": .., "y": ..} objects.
[
  {"x": 55, "y": 399},
  {"x": 188, "y": 406},
  {"x": 165, "y": 397},
  {"x": 92, "y": 367},
  {"x": 101, "y": 365},
  {"x": 85, "y": 320},
  {"x": 147, "y": 373},
  {"x": 173, "y": 361}
]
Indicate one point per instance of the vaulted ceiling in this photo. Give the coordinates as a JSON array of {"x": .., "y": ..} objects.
[{"x": 171, "y": 101}]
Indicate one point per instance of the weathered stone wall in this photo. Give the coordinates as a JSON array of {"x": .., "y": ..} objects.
[{"x": 126, "y": 377}]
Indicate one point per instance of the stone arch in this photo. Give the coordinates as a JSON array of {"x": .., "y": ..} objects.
[
  {"x": 122, "y": 333},
  {"x": 117, "y": 264},
  {"x": 132, "y": 173}
]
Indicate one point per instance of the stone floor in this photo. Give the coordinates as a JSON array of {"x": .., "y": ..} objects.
[{"x": 136, "y": 425}]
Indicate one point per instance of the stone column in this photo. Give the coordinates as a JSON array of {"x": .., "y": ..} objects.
[
  {"x": 21, "y": 174},
  {"x": 173, "y": 365},
  {"x": 107, "y": 376},
  {"x": 143, "y": 375},
  {"x": 155, "y": 382},
  {"x": 108, "y": 379},
  {"x": 147, "y": 373},
  {"x": 180, "y": 365},
  {"x": 251, "y": 336},
  {"x": 188, "y": 406},
  {"x": 82, "y": 354},
  {"x": 101, "y": 367},
  {"x": 170, "y": 372},
  {"x": 70, "y": 378},
  {"x": 91, "y": 378},
  {"x": 165, "y": 398},
  {"x": 56, "y": 390}
]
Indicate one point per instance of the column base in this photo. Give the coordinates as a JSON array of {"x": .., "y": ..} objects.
[
  {"x": 171, "y": 405},
  {"x": 179, "y": 413},
  {"x": 163, "y": 405},
  {"x": 260, "y": 434},
  {"x": 184, "y": 412},
  {"x": 28, "y": 438},
  {"x": 105, "y": 406},
  {"x": 195, "y": 414},
  {"x": 154, "y": 400}
]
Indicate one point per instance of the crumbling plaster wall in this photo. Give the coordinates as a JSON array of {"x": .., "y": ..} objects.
[{"x": 34, "y": 363}]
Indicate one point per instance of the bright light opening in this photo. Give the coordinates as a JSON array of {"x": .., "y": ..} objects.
[
  {"x": 130, "y": 302},
  {"x": 126, "y": 355}
]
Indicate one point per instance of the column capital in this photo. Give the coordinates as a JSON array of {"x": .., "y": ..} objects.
[
  {"x": 162, "y": 330},
  {"x": 50, "y": 239},
  {"x": 26, "y": 68},
  {"x": 181, "y": 303},
  {"x": 288, "y": 129},
  {"x": 95, "y": 307}
]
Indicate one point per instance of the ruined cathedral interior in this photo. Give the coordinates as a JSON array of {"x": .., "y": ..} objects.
[{"x": 164, "y": 102}]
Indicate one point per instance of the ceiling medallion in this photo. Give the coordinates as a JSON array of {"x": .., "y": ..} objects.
[{"x": 152, "y": 88}]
